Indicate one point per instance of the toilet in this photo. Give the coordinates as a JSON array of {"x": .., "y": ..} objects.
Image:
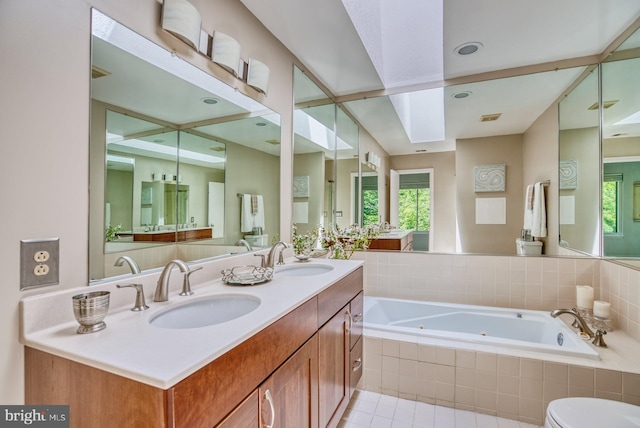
[
  {"x": 528, "y": 248},
  {"x": 581, "y": 412}
]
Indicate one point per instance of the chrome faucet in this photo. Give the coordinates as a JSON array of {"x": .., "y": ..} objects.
[
  {"x": 244, "y": 243},
  {"x": 582, "y": 324},
  {"x": 162, "y": 290},
  {"x": 129, "y": 260},
  {"x": 270, "y": 262}
]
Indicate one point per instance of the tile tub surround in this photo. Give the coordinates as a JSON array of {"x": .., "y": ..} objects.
[{"x": 499, "y": 382}]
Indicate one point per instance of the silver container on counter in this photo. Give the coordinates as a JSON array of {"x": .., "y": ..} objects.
[{"x": 90, "y": 310}]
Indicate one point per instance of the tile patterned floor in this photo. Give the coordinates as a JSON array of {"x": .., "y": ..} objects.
[{"x": 373, "y": 410}]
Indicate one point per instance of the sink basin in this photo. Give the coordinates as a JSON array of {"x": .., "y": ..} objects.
[
  {"x": 205, "y": 312},
  {"x": 303, "y": 270}
]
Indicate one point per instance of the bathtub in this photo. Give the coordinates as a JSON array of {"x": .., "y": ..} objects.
[{"x": 501, "y": 327}]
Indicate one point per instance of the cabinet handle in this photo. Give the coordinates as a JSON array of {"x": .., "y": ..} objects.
[
  {"x": 349, "y": 321},
  {"x": 357, "y": 318},
  {"x": 267, "y": 395},
  {"x": 357, "y": 364}
]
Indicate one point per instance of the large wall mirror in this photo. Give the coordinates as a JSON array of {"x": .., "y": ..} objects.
[
  {"x": 621, "y": 153},
  {"x": 464, "y": 142},
  {"x": 600, "y": 159},
  {"x": 170, "y": 149}
]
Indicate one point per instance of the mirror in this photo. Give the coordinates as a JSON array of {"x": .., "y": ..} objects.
[
  {"x": 170, "y": 148},
  {"x": 347, "y": 170},
  {"x": 621, "y": 153},
  {"x": 527, "y": 121},
  {"x": 314, "y": 155},
  {"x": 369, "y": 197},
  {"x": 579, "y": 168}
]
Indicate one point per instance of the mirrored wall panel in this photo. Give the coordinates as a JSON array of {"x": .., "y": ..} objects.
[{"x": 170, "y": 151}]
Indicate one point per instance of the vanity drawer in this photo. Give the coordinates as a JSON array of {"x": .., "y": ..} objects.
[
  {"x": 331, "y": 300},
  {"x": 356, "y": 366},
  {"x": 356, "y": 309}
]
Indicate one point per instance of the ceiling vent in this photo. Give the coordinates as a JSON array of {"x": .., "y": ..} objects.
[
  {"x": 605, "y": 105},
  {"x": 490, "y": 117},
  {"x": 97, "y": 72}
]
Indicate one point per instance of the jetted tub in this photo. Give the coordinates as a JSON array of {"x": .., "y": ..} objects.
[{"x": 501, "y": 327}]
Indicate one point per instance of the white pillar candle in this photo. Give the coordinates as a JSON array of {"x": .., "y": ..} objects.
[
  {"x": 584, "y": 296},
  {"x": 602, "y": 309}
]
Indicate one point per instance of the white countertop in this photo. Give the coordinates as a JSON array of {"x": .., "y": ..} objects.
[{"x": 160, "y": 357}]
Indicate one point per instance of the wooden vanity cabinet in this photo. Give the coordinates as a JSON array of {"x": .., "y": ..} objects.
[
  {"x": 337, "y": 338},
  {"x": 302, "y": 360}
]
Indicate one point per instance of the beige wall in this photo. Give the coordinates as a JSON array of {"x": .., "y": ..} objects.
[
  {"x": 45, "y": 70},
  {"x": 368, "y": 144},
  {"x": 312, "y": 165},
  {"x": 582, "y": 145},
  {"x": 443, "y": 226},
  {"x": 540, "y": 163},
  {"x": 489, "y": 238}
]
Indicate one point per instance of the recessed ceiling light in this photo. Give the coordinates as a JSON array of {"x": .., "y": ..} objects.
[
  {"x": 261, "y": 124},
  {"x": 468, "y": 48},
  {"x": 460, "y": 95},
  {"x": 273, "y": 142},
  {"x": 158, "y": 140},
  {"x": 210, "y": 101}
]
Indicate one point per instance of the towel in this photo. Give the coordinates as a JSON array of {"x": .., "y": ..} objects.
[
  {"x": 254, "y": 204},
  {"x": 248, "y": 219},
  {"x": 535, "y": 215}
]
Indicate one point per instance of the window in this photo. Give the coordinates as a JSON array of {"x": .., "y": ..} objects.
[
  {"x": 611, "y": 204},
  {"x": 370, "y": 200}
]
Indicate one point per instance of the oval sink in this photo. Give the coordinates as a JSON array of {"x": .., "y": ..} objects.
[
  {"x": 304, "y": 270},
  {"x": 205, "y": 312}
]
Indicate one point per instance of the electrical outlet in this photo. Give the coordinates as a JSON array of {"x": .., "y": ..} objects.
[{"x": 39, "y": 262}]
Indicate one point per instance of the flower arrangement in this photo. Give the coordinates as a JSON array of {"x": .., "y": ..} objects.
[
  {"x": 111, "y": 232},
  {"x": 342, "y": 243},
  {"x": 303, "y": 244}
]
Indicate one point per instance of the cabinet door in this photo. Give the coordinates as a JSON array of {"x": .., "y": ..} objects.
[
  {"x": 355, "y": 368},
  {"x": 289, "y": 397},
  {"x": 246, "y": 415},
  {"x": 334, "y": 368}
]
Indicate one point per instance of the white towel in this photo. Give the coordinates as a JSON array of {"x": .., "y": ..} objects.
[
  {"x": 539, "y": 213},
  {"x": 249, "y": 220},
  {"x": 528, "y": 208}
]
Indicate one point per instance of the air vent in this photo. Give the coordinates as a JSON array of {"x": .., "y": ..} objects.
[
  {"x": 605, "y": 105},
  {"x": 490, "y": 117},
  {"x": 274, "y": 142},
  {"x": 97, "y": 72}
]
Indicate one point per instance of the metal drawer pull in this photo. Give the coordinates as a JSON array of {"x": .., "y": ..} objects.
[
  {"x": 350, "y": 321},
  {"x": 357, "y": 318},
  {"x": 358, "y": 364},
  {"x": 267, "y": 395}
]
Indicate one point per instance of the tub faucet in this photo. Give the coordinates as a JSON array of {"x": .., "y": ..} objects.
[
  {"x": 582, "y": 324},
  {"x": 162, "y": 289},
  {"x": 129, "y": 260},
  {"x": 272, "y": 254},
  {"x": 242, "y": 242}
]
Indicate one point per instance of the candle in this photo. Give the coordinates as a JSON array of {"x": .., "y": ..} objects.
[
  {"x": 602, "y": 309},
  {"x": 584, "y": 296}
]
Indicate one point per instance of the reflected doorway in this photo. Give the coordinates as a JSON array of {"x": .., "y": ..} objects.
[{"x": 411, "y": 199}]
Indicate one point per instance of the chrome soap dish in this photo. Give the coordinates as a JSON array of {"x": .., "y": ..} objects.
[{"x": 247, "y": 275}]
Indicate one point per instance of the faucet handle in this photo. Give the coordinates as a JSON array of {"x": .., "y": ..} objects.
[
  {"x": 186, "y": 285},
  {"x": 263, "y": 260},
  {"x": 140, "y": 304},
  {"x": 598, "y": 340}
]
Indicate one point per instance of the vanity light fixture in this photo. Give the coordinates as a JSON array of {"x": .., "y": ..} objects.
[
  {"x": 226, "y": 52},
  {"x": 258, "y": 75},
  {"x": 182, "y": 19},
  {"x": 468, "y": 48}
]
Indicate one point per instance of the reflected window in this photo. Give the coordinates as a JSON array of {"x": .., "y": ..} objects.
[
  {"x": 611, "y": 204},
  {"x": 370, "y": 199},
  {"x": 414, "y": 202}
]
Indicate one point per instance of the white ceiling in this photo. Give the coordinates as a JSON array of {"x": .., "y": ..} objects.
[{"x": 398, "y": 48}]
